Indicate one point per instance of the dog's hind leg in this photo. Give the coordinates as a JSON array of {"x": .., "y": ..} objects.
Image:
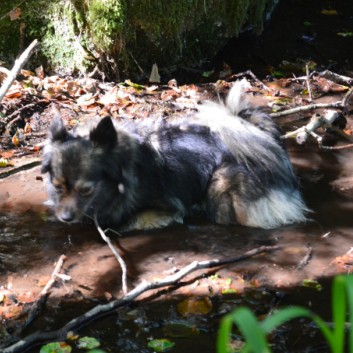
[
  {"x": 236, "y": 195},
  {"x": 222, "y": 205}
]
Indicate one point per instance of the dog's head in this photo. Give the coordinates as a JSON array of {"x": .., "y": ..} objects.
[{"x": 77, "y": 168}]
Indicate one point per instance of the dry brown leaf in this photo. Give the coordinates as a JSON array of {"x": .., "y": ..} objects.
[
  {"x": 39, "y": 72},
  {"x": 195, "y": 306},
  {"x": 15, "y": 14},
  {"x": 7, "y": 154},
  {"x": 27, "y": 73}
]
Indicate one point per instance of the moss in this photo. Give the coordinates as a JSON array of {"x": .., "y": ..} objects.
[
  {"x": 105, "y": 20},
  {"x": 185, "y": 32},
  {"x": 77, "y": 35}
]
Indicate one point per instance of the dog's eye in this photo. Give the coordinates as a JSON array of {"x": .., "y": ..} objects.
[
  {"x": 86, "y": 190},
  {"x": 59, "y": 189}
]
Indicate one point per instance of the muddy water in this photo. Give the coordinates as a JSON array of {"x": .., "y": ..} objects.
[{"x": 31, "y": 241}]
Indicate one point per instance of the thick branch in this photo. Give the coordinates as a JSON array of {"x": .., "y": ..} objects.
[{"x": 16, "y": 69}]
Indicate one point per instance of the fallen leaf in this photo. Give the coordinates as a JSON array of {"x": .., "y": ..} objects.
[
  {"x": 5, "y": 163},
  {"x": 40, "y": 72},
  {"x": 15, "y": 140},
  {"x": 195, "y": 306},
  {"x": 310, "y": 283},
  {"x": 86, "y": 99},
  {"x": 27, "y": 73},
  {"x": 56, "y": 347},
  {"x": 160, "y": 345},
  {"x": 88, "y": 343},
  {"x": 15, "y": 14},
  {"x": 7, "y": 154}
]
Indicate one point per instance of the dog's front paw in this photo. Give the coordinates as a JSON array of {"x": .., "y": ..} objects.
[{"x": 152, "y": 219}]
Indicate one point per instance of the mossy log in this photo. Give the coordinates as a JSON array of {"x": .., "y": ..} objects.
[{"x": 124, "y": 38}]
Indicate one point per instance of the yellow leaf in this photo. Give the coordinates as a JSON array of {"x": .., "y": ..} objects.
[
  {"x": 15, "y": 140},
  {"x": 329, "y": 12}
]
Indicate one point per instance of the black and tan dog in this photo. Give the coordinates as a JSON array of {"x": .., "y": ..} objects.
[{"x": 227, "y": 162}]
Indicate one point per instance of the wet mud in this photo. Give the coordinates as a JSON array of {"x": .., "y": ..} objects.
[{"x": 32, "y": 241}]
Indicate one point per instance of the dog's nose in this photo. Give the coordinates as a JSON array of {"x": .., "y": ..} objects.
[{"x": 67, "y": 216}]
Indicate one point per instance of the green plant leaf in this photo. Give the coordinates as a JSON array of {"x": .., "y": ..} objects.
[
  {"x": 284, "y": 315},
  {"x": 348, "y": 280},
  {"x": 310, "y": 283},
  {"x": 56, "y": 347},
  {"x": 160, "y": 345},
  {"x": 252, "y": 331},
  {"x": 224, "y": 335},
  {"x": 339, "y": 305},
  {"x": 87, "y": 343}
]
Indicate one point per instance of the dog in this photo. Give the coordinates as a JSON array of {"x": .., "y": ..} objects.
[{"x": 226, "y": 161}]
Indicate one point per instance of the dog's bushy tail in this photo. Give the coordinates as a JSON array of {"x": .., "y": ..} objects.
[
  {"x": 248, "y": 143},
  {"x": 256, "y": 146}
]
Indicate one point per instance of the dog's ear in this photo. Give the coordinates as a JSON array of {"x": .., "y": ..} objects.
[
  {"x": 104, "y": 135},
  {"x": 57, "y": 129},
  {"x": 46, "y": 162}
]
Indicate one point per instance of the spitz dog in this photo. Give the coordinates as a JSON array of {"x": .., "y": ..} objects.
[{"x": 226, "y": 162}]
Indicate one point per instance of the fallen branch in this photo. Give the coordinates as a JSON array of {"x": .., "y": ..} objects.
[
  {"x": 317, "y": 121},
  {"x": 304, "y": 108},
  {"x": 16, "y": 69},
  {"x": 103, "y": 309},
  {"x": 332, "y": 76},
  {"x": 38, "y": 305}
]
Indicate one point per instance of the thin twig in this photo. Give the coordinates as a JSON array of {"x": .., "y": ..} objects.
[
  {"x": 308, "y": 82},
  {"x": 337, "y": 104},
  {"x": 333, "y": 148},
  {"x": 306, "y": 259},
  {"x": 38, "y": 305},
  {"x": 103, "y": 309},
  {"x": 54, "y": 275},
  {"x": 347, "y": 96},
  {"x": 116, "y": 254}
]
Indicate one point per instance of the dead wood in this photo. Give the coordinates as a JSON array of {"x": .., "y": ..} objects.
[
  {"x": 103, "y": 309},
  {"x": 16, "y": 69},
  {"x": 39, "y": 304},
  {"x": 338, "y": 105}
]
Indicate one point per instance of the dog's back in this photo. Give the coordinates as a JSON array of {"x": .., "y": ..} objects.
[{"x": 234, "y": 169}]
